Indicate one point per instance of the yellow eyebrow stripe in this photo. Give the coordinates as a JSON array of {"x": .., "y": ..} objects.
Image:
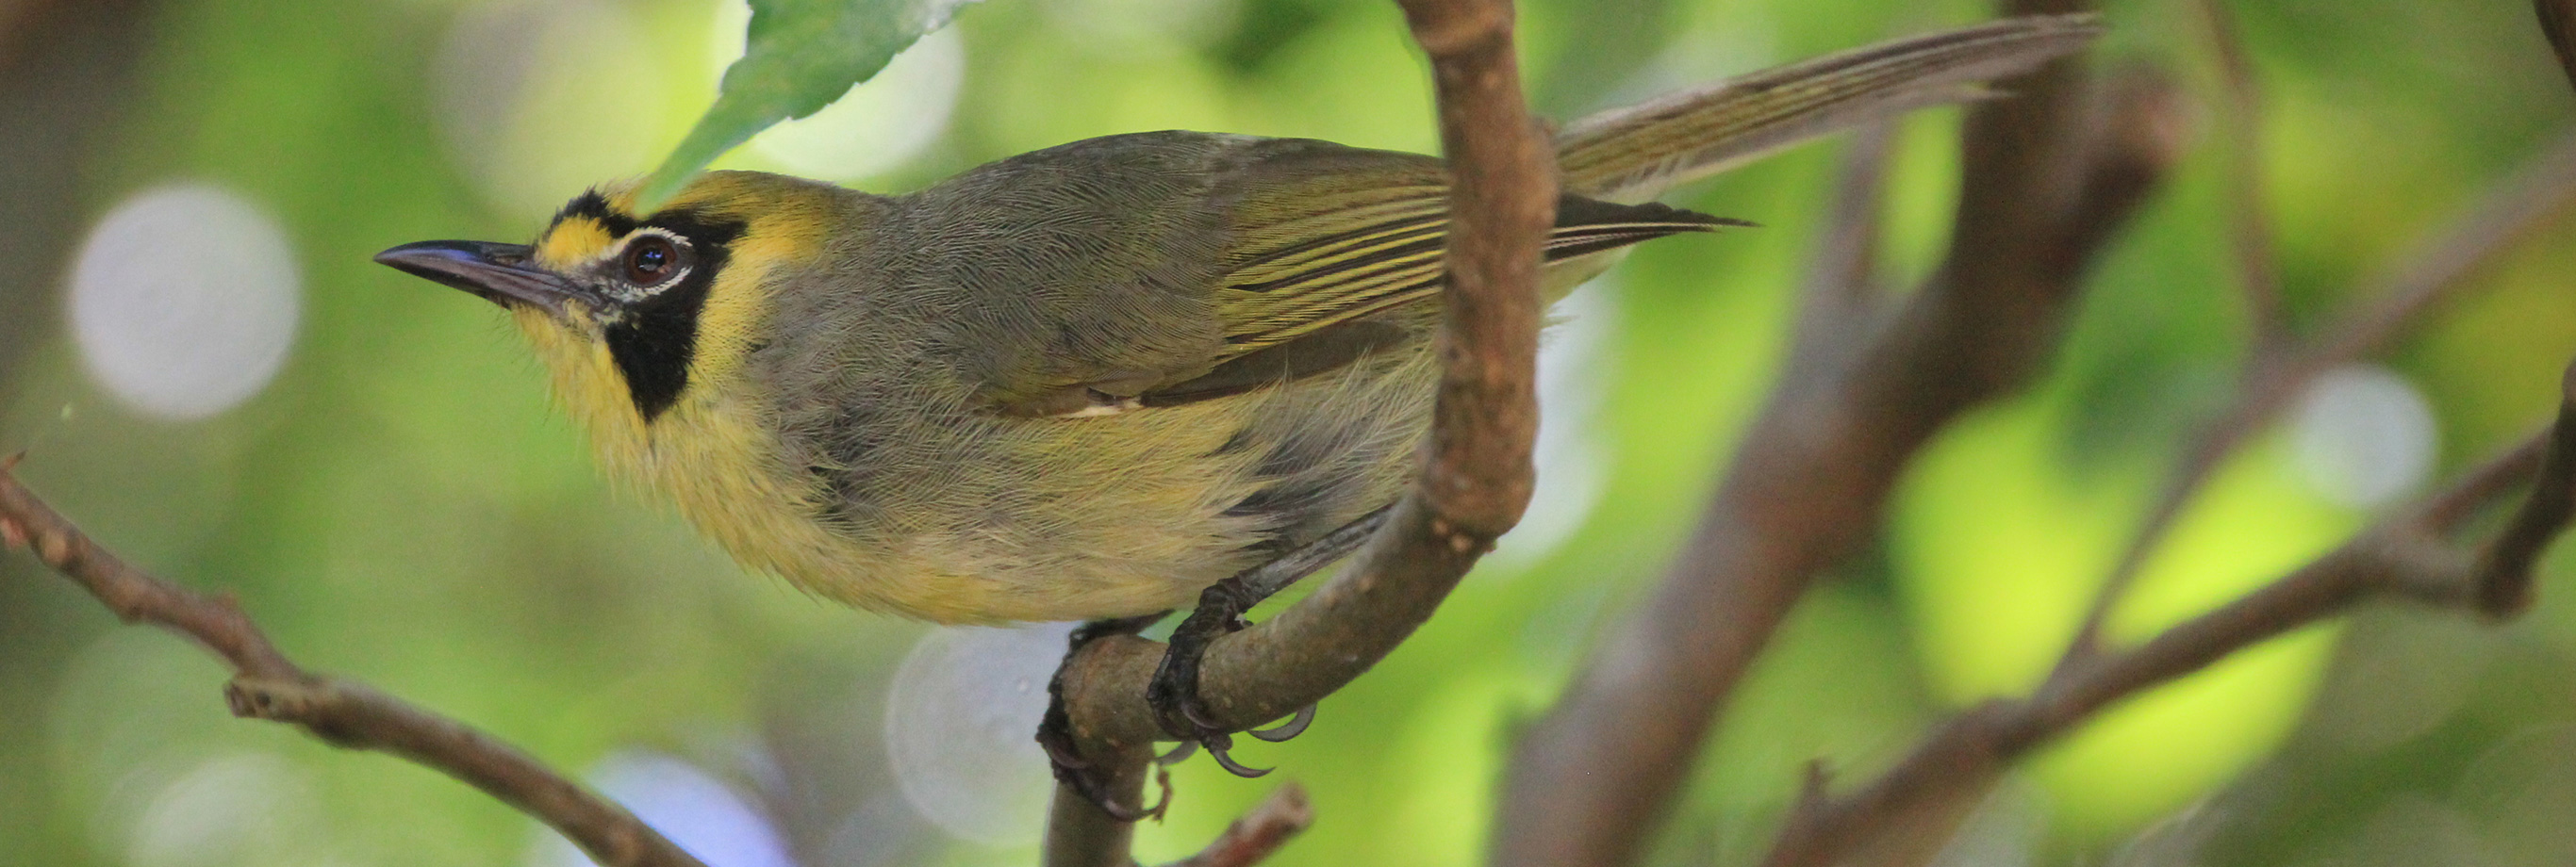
[{"x": 572, "y": 242}]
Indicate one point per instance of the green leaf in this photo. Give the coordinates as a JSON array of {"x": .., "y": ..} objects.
[{"x": 800, "y": 55}]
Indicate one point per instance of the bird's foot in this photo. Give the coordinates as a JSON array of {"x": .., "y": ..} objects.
[
  {"x": 1174, "y": 692},
  {"x": 1055, "y": 731}
]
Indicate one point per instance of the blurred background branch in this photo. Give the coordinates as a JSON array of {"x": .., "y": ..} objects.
[
  {"x": 2412, "y": 293},
  {"x": 266, "y": 685},
  {"x": 1591, "y": 781},
  {"x": 69, "y": 67},
  {"x": 1908, "y": 814},
  {"x": 2240, "y": 112},
  {"x": 1905, "y": 816}
]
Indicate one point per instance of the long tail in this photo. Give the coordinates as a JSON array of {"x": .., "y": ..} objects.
[{"x": 1636, "y": 153}]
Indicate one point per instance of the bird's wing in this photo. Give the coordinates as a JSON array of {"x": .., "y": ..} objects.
[
  {"x": 1165, "y": 268},
  {"x": 1338, "y": 246},
  {"x": 1325, "y": 237}
]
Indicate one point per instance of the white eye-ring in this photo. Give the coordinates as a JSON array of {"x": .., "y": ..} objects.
[{"x": 652, "y": 259}]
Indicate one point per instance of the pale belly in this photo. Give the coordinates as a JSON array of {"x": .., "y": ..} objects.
[{"x": 1078, "y": 518}]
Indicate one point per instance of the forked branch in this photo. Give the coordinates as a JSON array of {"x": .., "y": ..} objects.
[
  {"x": 1866, "y": 389},
  {"x": 2531, "y": 199},
  {"x": 1905, "y": 814}
]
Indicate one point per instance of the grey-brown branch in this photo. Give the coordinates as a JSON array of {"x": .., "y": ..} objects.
[
  {"x": 267, "y": 685},
  {"x": 1476, "y": 475}
]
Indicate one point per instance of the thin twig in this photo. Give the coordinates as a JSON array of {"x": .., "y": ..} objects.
[
  {"x": 1884, "y": 821},
  {"x": 1476, "y": 476},
  {"x": 2504, "y": 568},
  {"x": 1258, "y": 834},
  {"x": 267, "y": 685},
  {"x": 1841, "y": 294},
  {"x": 2258, "y": 273},
  {"x": 1590, "y": 782}
]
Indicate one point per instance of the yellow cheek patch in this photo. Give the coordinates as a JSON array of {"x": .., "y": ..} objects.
[
  {"x": 586, "y": 378},
  {"x": 737, "y": 307},
  {"x": 572, "y": 243}
]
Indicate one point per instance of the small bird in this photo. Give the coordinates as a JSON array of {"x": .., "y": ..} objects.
[{"x": 1092, "y": 380}]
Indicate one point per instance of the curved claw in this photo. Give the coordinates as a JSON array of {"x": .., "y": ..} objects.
[
  {"x": 1296, "y": 725},
  {"x": 1120, "y": 812},
  {"x": 1177, "y": 753},
  {"x": 1217, "y": 750},
  {"x": 1197, "y": 714},
  {"x": 1093, "y": 791},
  {"x": 1062, "y": 754}
]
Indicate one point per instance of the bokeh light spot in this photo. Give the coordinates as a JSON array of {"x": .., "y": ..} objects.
[
  {"x": 2364, "y": 435},
  {"x": 698, "y": 812},
  {"x": 228, "y": 810},
  {"x": 959, "y": 716},
  {"x": 184, "y": 300}
]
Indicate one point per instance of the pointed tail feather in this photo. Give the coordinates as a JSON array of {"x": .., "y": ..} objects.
[{"x": 1636, "y": 153}]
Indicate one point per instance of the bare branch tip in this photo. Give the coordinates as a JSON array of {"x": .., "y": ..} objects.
[
  {"x": 54, "y": 548},
  {"x": 245, "y": 702},
  {"x": 1259, "y": 833},
  {"x": 1291, "y": 797}
]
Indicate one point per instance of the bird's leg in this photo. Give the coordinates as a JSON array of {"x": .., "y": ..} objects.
[
  {"x": 1174, "y": 692},
  {"x": 1055, "y": 730}
]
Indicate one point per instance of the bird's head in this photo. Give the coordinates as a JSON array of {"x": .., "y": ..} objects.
[{"x": 638, "y": 314}]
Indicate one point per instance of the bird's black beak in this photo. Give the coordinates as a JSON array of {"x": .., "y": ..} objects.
[{"x": 501, "y": 273}]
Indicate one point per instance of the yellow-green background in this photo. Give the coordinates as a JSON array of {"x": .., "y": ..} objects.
[{"x": 400, "y": 504}]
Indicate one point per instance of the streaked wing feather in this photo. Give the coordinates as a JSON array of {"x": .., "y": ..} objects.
[
  {"x": 1320, "y": 240},
  {"x": 1291, "y": 287}
]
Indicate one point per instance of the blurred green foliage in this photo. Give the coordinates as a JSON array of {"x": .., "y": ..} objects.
[{"x": 401, "y": 505}]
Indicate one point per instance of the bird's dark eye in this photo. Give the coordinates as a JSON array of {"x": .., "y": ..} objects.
[{"x": 650, "y": 260}]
